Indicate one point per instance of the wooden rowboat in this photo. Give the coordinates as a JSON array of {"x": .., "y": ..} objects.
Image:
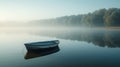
[{"x": 44, "y": 45}]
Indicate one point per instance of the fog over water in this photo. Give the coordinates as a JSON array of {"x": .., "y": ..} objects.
[{"x": 78, "y": 47}]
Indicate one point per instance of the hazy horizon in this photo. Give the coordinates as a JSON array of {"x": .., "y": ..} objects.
[{"x": 27, "y": 10}]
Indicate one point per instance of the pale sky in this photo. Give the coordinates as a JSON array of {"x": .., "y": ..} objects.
[{"x": 25, "y": 10}]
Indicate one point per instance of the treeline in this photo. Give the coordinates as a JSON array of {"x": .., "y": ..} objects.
[{"x": 102, "y": 17}]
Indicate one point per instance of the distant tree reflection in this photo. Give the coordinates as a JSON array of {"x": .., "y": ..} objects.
[{"x": 102, "y": 38}]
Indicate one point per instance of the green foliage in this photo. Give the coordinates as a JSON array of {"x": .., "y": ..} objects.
[
  {"x": 112, "y": 17},
  {"x": 102, "y": 17}
]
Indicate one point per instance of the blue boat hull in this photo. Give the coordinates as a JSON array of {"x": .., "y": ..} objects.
[{"x": 41, "y": 45}]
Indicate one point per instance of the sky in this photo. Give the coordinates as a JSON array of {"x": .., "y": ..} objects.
[{"x": 27, "y": 10}]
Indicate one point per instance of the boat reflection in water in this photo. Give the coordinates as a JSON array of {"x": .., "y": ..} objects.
[{"x": 40, "y": 53}]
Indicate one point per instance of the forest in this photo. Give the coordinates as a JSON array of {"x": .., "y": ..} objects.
[{"x": 99, "y": 18}]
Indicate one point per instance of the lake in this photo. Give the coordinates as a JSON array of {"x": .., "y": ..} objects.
[{"x": 77, "y": 48}]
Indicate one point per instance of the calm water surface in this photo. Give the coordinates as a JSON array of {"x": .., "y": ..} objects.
[{"x": 77, "y": 48}]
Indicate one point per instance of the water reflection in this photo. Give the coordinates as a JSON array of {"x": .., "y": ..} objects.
[
  {"x": 39, "y": 53},
  {"x": 102, "y": 38},
  {"x": 80, "y": 53}
]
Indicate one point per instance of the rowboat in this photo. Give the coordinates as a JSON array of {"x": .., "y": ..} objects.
[{"x": 44, "y": 45}]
